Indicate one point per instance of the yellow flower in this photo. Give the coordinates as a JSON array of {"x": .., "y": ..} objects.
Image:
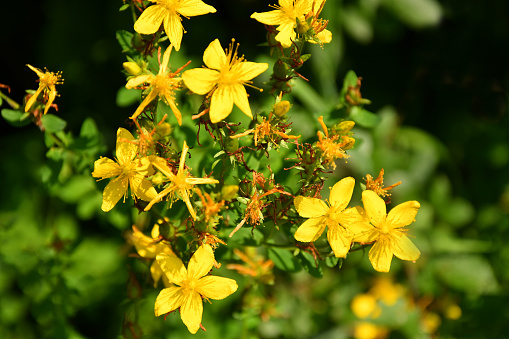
[
  {"x": 162, "y": 85},
  {"x": 190, "y": 285},
  {"x": 331, "y": 147},
  {"x": 285, "y": 17},
  {"x": 322, "y": 35},
  {"x": 342, "y": 223},
  {"x": 169, "y": 12},
  {"x": 150, "y": 247},
  {"x": 388, "y": 231},
  {"x": 47, "y": 82},
  {"x": 225, "y": 78},
  {"x": 128, "y": 171},
  {"x": 377, "y": 185},
  {"x": 182, "y": 183}
]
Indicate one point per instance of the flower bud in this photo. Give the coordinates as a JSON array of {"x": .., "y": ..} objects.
[
  {"x": 281, "y": 69},
  {"x": 281, "y": 108},
  {"x": 342, "y": 128},
  {"x": 157, "y": 179},
  {"x": 348, "y": 142},
  {"x": 302, "y": 27},
  {"x": 229, "y": 192},
  {"x": 132, "y": 68},
  {"x": 164, "y": 129},
  {"x": 231, "y": 145}
]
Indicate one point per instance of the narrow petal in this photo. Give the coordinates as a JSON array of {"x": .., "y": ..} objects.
[
  {"x": 156, "y": 272},
  {"x": 172, "y": 267},
  {"x": 374, "y": 206},
  {"x": 126, "y": 149},
  {"x": 380, "y": 256},
  {"x": 185, "y": 197},
  {"x": 272, "y": 18},
  {"x": 194, "y": 7},
  {"x": 196, "y": 181},
  {"x": 405, "y": 249},
  {"x": 115, "y": 190},
  {"x": 310, "y": 230},
  {"x": 200, "y": 80},
  {"x": 169, "y": 299},
  {"x": 216, "y": 288},
  {"x": 201, "y": 262},
  {"x": 106, "y": 168},
  {"x": 403, "y": 214},
  {"x": 166, "y": 60},
  {"x": 150, "y": 20},
  {"x": 139, "y": 80},
  {"x": 148, "y": 99},
  {"x": 310, "y": 207},
  {"x": 51, "y": 98},
  {"x": 191, "y": 311},
  {"x": 240, "y": 99},
  {"x": 221, "y": 104},
  {"x": 214, "y": 56},
  {"x": 174, "y": 29},
  {"x": 141, "y": 187},
  {"x": 33, "y": 98},
  {"x": 341, "y": 193},
  {"x": 36, "y": 70},
  {"x": 339, "y": 241},
  {"x": 185, "y": 148},
  {"x": 174, "y": 109},
  {"x": 247, "y": 70}
]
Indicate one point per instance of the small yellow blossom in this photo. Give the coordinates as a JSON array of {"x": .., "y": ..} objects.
[
  {"x": 162, "y": 85},
  {"x": 367, "y": 330},
  {"x": 255, "y": 265},
  {"x": 342, "y": 223},
  {"x": 47, "y": 82},
  {"x": 182, "y": 183},
  {"x": 377, "y": 185},
  {"x": 168, "y": 12},
  {"x": 190, "y": 285},
  {"x": 285, "y": 17},
  {"x": 388, "y": 232},
  {"x": 387, "y": 291},
  {"x": 324, "y": 36},
  {"x": 150, "y": 247},
  {"x": 224, "y": 80},
  {"x": 128, "y": 170},
  {"x": 365, "y": 306},
  {"x": 331, "y": 147}
]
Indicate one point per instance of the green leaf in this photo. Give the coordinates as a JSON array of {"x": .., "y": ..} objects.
[
  {"x": 331, "y": 261},
  {"x": 283, "y": 259},
  {"x": 124, "y": 39},
  {"x": 15, "y": 118},
  {"x": 350, "y": 80},
  {"x": 127, "y": 97},
  {"x": 123, "y": 7},
  {"x": 310, "y": 264},
  {"x": 363, "y": 117},
  {"x": 416, "y": 13},
  {"x": 468, "y": 273},
  {"x": 52, "y": 123}
]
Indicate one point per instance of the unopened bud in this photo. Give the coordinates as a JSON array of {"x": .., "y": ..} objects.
[
  {"x": 281, "y": 108},
  {"x": 229, "y": 192},
  {"x": 302, "y": 27},
  {"x": 157, "y": 179},
  {"x": 164, "y": 129},
  {"x": 281, "y": 69},
  {"x": 132, "y": 68},
  {"x": 348, "y": 142},
  {"x": 342, "y": 128}
]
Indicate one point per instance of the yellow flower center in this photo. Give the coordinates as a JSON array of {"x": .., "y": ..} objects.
[
  {"x": 50, "y": 79},
  {"x": 163, "y": 84},
  {"x": 170, "y": 5},
  {"x": 334, "y": 214},
  {"x": 189, "y": 285},
  {"x": 226, "y": 75},
  {"x": 384, "y": 228}
]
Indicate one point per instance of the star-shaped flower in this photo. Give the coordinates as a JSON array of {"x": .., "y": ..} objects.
[
  {"x": 190, "y": 286},
  {"x": 388, "y": 232},
  {"x": 47, "y": 82},
  {"x": 224, "y": 79},
  {"x": 343, "y": 223},
  {"x": 182, "y": 183},
  {"x": 128, "y": 170},
  {"x": 168, "y": 12},
  {"x": 162, "y": 85}
]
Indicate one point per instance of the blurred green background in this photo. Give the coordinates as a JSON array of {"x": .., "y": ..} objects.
[{"x": 437, "y": 77}]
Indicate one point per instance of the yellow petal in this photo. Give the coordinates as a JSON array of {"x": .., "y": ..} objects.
[
  {"x": 341, "y": 193},
  {"x": 403, "y": 214},
  {"x": 166, "y": 60},
  {"x": 141, "y": 187},
  {"x": 380, "y": 256},
  {"x": 405, "y": 249},
  {"x": 115, "y": 190},
  {"x": 221, "y": 104},
  {"x": 126, "y": 148},
  {"x": 36, "y": 70},
  {"x": 139, "y": 80},
  {"x": 374, "y": 206},
  {"x": 146, "y": 246},
  {"x": 247, "y": 70},
  {"x": 272, "y": 18},
  {"x": 33, "y": 98},
  {"x": 185, "y": 148},
  {"x": 324, "y": 36},
  {"x": 172, "y": 267},
  {"x": 194, "y": 7},
  {"x": 200, "y": 80},
  {"x": 174, "y": 29},
  {"x": 339, "y": 241},
  {"x": 174, "y": 109},
  {"x": 51, "y": 97},
  {"x": 216, "y": 288},
  {"x": 201, "y": 262},
  {"x": 150, "y": 20},
  {"x": 150, "y": 96},
  {"x": 185, "y": 197},
  {"x": 106, "y": 168},
  {"x": 191, "y": 311},
  {"x": 286, "y": 34},
  {"x": 156, "y": 272},
  {"x": 214, "y": 56},
  {"x": 310, "y": 230},
  {"x": 196, "y": 181},
  {"x": 169, "y": 299},
  {"x": 240, "y": 99},
  {"x": 310, "y": 207}
]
